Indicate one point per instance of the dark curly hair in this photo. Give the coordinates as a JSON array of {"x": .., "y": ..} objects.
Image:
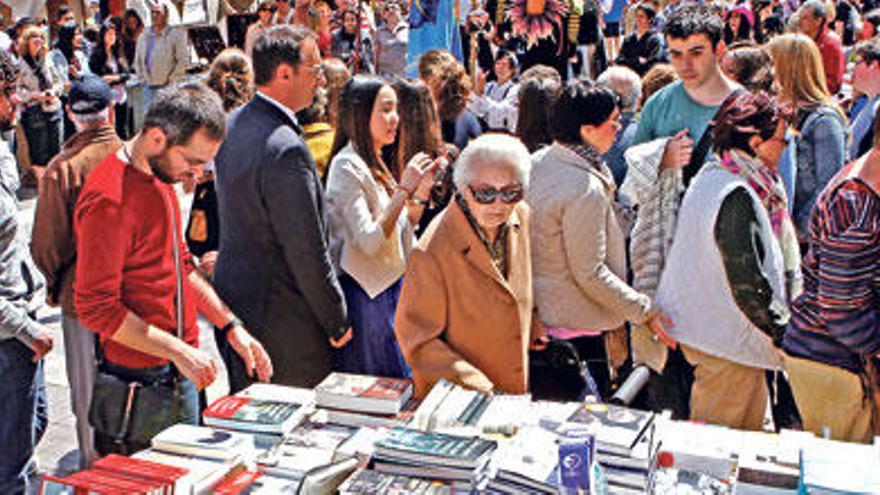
[
  {"x": 742, "y": 115},
  {"x": 695, "y": 19},
  {"x": 232, "y": 78},
  {"x": 752, "y": 67},
  {"x": 452, "y": 90}
]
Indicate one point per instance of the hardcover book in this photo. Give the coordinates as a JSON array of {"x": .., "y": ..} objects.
[
  {"x": 204, "y": 442},
  {"x": 618, "y": 428},
  {"x": 413, "y": 446},
  {"x": 369, "y": 482},
  {"x": 363, "y": 393},
  {"x": 253, "y": 415}
]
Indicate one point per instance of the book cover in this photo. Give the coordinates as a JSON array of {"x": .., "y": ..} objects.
[
  {"x": 249, "y": 414},
  {"x": 139, "y": 468},
  {"x": 206, "y": 442},
  {"x": 203, "y": 474},
  {"x": 280, "y": 393},
  {"x": 403, "y": 443},
  {"x": 237, "y": 483},
  {"x": 618, "y": 428},
  {"x": 368, "y": 482},
  {"x": 363, "y": 393},
  {"x": 530, "y": 457}
]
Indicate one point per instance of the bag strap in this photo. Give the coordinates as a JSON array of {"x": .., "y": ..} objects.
[
  {"x": 698, "y": 155},
  {"x": 178, "y": 270}
]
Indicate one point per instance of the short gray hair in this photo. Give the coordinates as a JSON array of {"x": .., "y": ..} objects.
[
  {"x": 87, "y": 119},
  {"x": 817, "y": 7},
  {"x": 492, "y": 148},
  {"x": 625, "y": 83}
]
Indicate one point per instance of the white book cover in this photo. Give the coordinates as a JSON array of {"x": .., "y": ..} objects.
[{"x": 206, "y": 442}]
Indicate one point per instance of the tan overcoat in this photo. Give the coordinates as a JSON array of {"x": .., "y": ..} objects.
[{"x": 458, "y": 318}]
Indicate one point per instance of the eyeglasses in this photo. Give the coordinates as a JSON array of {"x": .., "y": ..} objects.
[
  {"x": 268, "y": 9},
  {"x": 486, "y": 195}
]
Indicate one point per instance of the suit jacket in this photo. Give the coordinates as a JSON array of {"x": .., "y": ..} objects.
[
  {"x": 274, "y": 267},
  {"x": 457, "y": 317},
  {"x": 53, "y": 243}
]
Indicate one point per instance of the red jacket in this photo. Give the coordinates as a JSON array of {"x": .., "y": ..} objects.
[
  {"x": 125, "y": 259},
  {"x": 832, "y": 58}
]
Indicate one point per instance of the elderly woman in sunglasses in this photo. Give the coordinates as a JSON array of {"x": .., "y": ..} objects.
[
  {"x": 466, "y": 311},
  {"x": 579, "y": 253}
]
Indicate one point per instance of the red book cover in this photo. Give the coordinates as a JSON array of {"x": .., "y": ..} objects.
[
  {"x": 226, "y": 407},
  {"x": 385, "y": 388},
  {"x": 99, "y": 482},
  {"x": 140, "y": 468},
  {"x": 237, "y": 483}
]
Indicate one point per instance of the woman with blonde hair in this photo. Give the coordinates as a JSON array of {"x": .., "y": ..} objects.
[
  {"x": 40, "y": 87},
  {"x": 821, "y": 123}
]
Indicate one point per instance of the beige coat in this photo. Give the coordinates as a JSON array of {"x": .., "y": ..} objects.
[
  {"x": 356, "y": 203},
  {"x": 458, "y": 318},
  {"x": 579, "y": 255}
]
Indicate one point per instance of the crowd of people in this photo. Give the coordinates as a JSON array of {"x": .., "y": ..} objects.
[{"x": 691, "y": 187}]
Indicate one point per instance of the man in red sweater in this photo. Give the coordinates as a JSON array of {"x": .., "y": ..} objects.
[
  {"x": 127, "y": 289},
  {"x": 812, "y": 20}
]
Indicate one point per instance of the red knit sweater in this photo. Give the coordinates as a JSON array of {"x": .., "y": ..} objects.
[{"x": 125, "y": 260}]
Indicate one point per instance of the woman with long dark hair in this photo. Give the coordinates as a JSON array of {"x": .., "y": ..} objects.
[
  {"x": 70, "y": 58},
  {"x": 372, "y": 212},
  {"x": 738, "y": 25},
  {"x": 420, "y": 133},
  {"x": 40, "y": 86},
  {"x": 536, "y": 97},
  {"x": 108, "y": 61},
  {"x": 132, "y": 26}
]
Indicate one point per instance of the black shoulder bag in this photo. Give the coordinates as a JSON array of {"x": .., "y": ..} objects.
[
  {"x": 133, "y": 412},
  {"x": 698, "y": 155}
]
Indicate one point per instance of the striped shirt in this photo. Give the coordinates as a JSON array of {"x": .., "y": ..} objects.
[{"x": 835, "y": 320}]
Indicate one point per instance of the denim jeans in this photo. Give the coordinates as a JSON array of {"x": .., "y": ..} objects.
[{"x": 23, "y": 415}]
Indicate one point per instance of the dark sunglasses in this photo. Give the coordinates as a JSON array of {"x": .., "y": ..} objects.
[
  {"x": 486, "y": 195},
  {"x": 268, "y": 9}
]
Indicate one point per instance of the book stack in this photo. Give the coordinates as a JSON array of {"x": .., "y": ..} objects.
[
  {"x": 450, "y": 406},
  {"x": 208, "y": 443},
  {"x": 526, "y": 463},
  {"x": 461, "y": 460},
  {"x": 369, "y": 482},
  {"x": 118, "y": 474},
  {"x": 202, "y": 475},
  {"x": 625, "y": 447},
  {"x": 360, "y": 400},
  {"x": 308, "y": 447},
  {"x": 253, "y": 415}
]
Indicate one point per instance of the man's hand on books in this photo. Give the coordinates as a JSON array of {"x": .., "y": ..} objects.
[
  {"x": 341, "y": 341},
  {"x": 251, "y": 352},
  {"x": 42, "y": 345},
  {"x": 197, "y": 366}
]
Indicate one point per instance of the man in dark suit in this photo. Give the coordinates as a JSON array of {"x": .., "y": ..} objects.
[{"x": 274, "y": 266}]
